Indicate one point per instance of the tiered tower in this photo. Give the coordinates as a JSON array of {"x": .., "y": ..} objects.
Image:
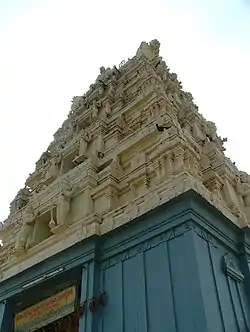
[{"x": 134, "y": 141}]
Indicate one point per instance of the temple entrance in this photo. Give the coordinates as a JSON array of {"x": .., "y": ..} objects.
[
  {"x": 68, "y": 323},
  {"x": 58, "y": 313}
]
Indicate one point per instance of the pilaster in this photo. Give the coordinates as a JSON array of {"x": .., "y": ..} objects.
[
  {"x": 89, "y": 291},
  {"x": 187, "y": 289},
  {"x": 244, "y": 257},
  {"x": 6, "y": 317}
]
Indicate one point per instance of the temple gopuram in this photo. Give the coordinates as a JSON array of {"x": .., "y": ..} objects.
[{"x": 134, "y": 219}]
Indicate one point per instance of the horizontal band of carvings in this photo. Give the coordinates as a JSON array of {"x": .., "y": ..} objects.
[
  {"x": 231, "y": 269},
  {"x": 161, "y": 194},
  {"x": 147, "y": 245},
  {"x": 75, "y": 233},
  {"x": 50, "y": 193},
  {"x": 79, "y": 229}
]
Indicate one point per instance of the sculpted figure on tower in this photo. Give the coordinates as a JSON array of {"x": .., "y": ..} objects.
[
  {"x": 84, "y": 140},
  {"x": 77, "y": 102},
  {"x": 162, "y": 70},
  {"x": 20, "y": 200},
  {"x": 212, "y": 140},
  {"x": 63, "y": 204},
  {"x": 55, "y": 163},
  {"x": 43, "y": 160},
  {"x": 149, "y": 50},
  {"x": 94, "y": 110},
  {"x": 24, "y": 238},
  {"x": 243, "y": 188}
]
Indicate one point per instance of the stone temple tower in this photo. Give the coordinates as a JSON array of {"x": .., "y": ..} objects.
[{"x": 133, "y": 220}]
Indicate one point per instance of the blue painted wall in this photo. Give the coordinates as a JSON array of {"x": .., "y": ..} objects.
[{"x": 182, "y": 267}]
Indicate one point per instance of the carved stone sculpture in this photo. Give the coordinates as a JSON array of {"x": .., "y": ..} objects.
[
  {"x": 84, "y": 140},
  {"x": 77, "y": 102},
  {"x": 149, "y": 50},
  {"x": 115, "y": 74},
  {"x": 173, "y": 87},
  {"x": 162, "y": 70},
  {"x": 211, "y": 140},
  {"x": 91, "y": 88},
  {"x": 219, "y": 143},
  {"x": 70, "y": 128},
  {"x": 155, "y": 46},
  {"x": 20, "y": 200},
  {"x": 111, "y": 91},
  {"x": 107, "y": 111},
  {"x": 94, "y": 110},
  {"x": 105, "y": 74},
  {"x": 26, "y": 232},
  {"x": 55, "y": 163},
  {"x": 101, "y": 75},
  {"x": 122, "y": 94},
  {"x": 63, "y": 203},
  {"x": 43, "y": 160},
  {"x": 243, "y": 188},
  {"x": 187, "y": 96}
]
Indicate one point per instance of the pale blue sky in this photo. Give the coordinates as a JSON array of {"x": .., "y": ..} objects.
[{"x": 51, "y": 50}]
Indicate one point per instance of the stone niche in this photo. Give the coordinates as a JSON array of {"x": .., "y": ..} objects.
[
  {"x": 41, "y": 228},
  {"x": 68, "y": 161}
]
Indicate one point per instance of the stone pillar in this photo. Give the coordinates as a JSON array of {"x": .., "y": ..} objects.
[
  {"x": 132, "y": 189},
  {"x": 168, "y": 165},
  {"x": 91, "y": 172},
  {"x": 99, "y": 146},
  {"x": 160, "y": 169},
  {"x": 112, "y": 195},
  {"x": 88, "y": 201},
  {"x": 213, "y": 182},
  {"x": 230, "y": 198}
]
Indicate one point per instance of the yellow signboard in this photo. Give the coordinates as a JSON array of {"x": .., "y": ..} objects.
[{"x": 46, "y": 311}]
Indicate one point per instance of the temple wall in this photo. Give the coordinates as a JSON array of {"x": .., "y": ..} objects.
[{"x": 181, "y": 267}]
